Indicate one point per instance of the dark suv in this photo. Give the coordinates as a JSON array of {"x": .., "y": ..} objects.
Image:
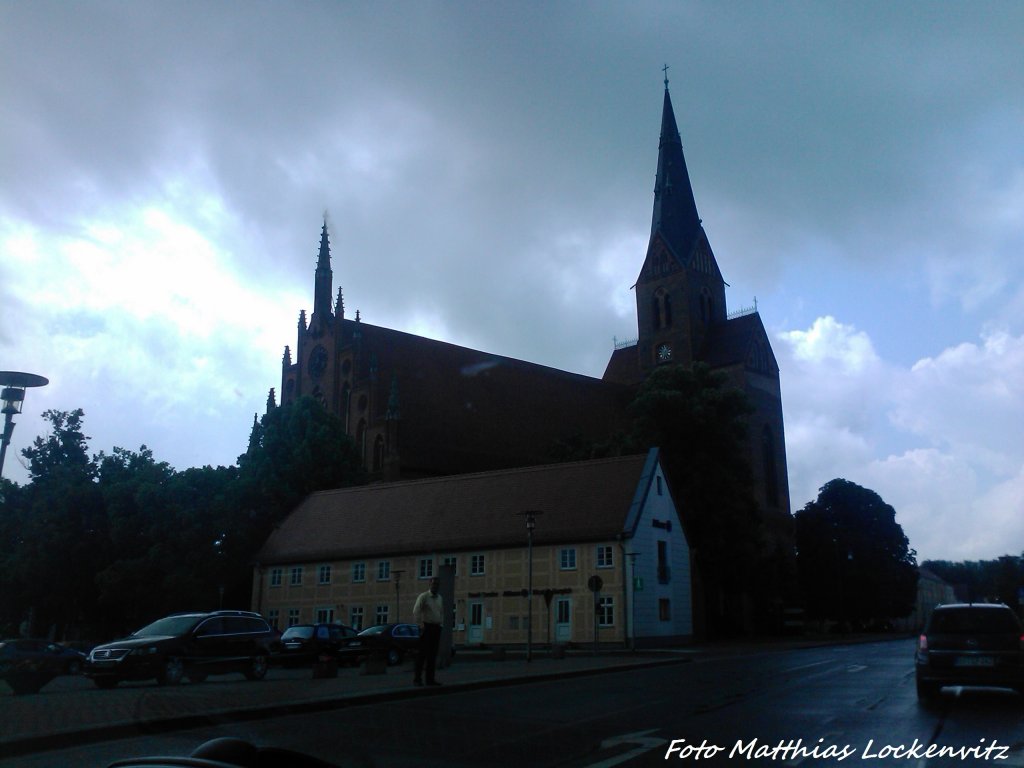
[
  {"x": 191, "y": 645},
  {"x": 977, "y": 644}
]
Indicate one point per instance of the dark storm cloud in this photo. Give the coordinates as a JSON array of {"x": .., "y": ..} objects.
[{"x": 487, "y": 170}]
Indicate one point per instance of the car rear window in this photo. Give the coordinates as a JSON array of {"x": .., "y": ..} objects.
[
  {"x": 981, "y": 620},
  {"x": 303, "y": 632}
]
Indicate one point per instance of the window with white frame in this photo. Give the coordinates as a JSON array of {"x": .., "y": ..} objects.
[
  {"x": 567, "y": 559},
  {"x": 451, "y": 560},
  {"x": 276, "y": 576},
  {"x": 384, "y": 570},
  {"x": 293, "y": 617},
  {"x": 324, "y": 574},
  {"x": 606, "y": 611},
  {"x": 476, "y": 565},
  {"x": 296, "y": 576},
  {"x": 604, "y": 556},
  {"x": 358, "y": 572},
  {"x": 355, "y": 617},
  {"x": 382, "y": 614},
  {"x": 273, "y": 616},
  {"x": 426, "y": 567},
  {"x": 324, "y": 615}
]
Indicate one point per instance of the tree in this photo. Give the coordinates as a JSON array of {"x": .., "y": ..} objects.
[
  {"x": 61, "y": 530},
  {"x": 855, "y": 562},
  {"x": 983, "y": 580},
  {"x": 296, "y": 449},
  {"x": 700, "y": 424}
]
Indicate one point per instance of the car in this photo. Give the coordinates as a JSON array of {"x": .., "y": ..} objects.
[
  {"x": 393, "y": 641},
  {"x": 305, "y": 643},
  {"x": 192, "y": 645},
  {"x": 970, "y": 644},
  {"x": 27, "y": 664}
]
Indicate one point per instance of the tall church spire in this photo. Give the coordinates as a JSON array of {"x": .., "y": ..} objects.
[
  {"x": 324, "y": 278},
  {"x": 675, "y": 210}
]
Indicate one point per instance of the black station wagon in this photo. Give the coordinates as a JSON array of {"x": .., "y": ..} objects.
[{"x": 191, "y": 645}]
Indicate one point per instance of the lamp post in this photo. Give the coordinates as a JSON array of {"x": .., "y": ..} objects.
[
  {"x": 531, "y": 523},
  {"x": 398, "y": 593},
  {"x": 632, "y": 603},
  {"x": 14, "y": 384},
  {"x": 218, "y": 548}
]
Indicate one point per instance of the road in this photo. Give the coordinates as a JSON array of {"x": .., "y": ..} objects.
[{"x": 840, "y": 705}]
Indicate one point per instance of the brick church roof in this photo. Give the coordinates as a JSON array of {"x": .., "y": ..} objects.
[
  {"x": 580, "y": 501},
  {"x": 463, "y": 410}
]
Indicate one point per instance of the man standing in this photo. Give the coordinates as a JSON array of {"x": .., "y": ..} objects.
[{"x": 428, "y": 612}]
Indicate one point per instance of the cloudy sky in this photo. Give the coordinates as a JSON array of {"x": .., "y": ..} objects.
[{"x": 487, "y": 172}]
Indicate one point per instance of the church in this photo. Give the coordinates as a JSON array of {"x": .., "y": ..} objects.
[
  {"x": 448, "y": 432},
  {"x": 420, "y": 408}
]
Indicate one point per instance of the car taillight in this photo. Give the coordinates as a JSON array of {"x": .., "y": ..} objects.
[{"x": 922, "y": 642}]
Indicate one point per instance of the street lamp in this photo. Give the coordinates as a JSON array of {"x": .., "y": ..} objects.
[
  {"x": 531, "y": 523},
  {"x": 218, "y": 548},
  {"x": 14, "y": 384},
  {"x": 632, "y": 604}
]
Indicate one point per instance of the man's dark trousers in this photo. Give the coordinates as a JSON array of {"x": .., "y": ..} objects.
[{"x": 429, "y": 641}]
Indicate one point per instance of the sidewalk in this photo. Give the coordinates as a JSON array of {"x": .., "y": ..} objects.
[{"x": 71, "y": 711}]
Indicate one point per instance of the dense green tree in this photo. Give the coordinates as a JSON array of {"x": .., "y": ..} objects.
[
  {"x": 98, "y": 546},
  {"x": 296, "y": 449},
  {"x": 60, "y": 530},
  {"x": 700, "y": 423},
  {"x": 854, "y": 560}
]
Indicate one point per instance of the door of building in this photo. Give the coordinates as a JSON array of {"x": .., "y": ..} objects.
[
  {"x": 475, "y": 636},
  {"x": 563, "y": 619}
]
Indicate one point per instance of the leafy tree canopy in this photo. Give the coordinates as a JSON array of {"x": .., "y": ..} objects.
[
  {"x": 699, "y": 422},
  {"x": 854, "y": 560},
  {"x": 65, "y": 449},
  {"x": 296, "y": 449}
]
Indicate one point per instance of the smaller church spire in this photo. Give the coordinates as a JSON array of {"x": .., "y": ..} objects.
[
  {"x": 302, "y": 321},
  {"x": 271, "y": 402},
  {"x": 339, "y": 306},
  {"x": 323, "y": 260},
  {"x": 286, "y": 359},
  {"x": 323, "y": 280},
  {"x": 255, "y": 436}
]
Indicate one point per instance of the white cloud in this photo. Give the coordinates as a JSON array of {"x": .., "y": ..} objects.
[{"x": 949, "y": 459}]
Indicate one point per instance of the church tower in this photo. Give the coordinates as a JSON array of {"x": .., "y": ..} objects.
[
  {"x": 680, "y": 292},
  {"x": 682, "y": 318}
]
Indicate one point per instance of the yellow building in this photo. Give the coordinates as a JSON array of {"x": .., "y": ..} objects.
[{"x": 360, "y": 556}]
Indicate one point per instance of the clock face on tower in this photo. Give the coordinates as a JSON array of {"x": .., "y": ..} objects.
[
  {"x": 317, "y": 361},
  {"x": 664, "y": 353}
]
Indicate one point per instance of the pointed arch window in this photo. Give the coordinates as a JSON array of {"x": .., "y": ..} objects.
[
  {"x": 662, "y": 309},
  {"x": 346, "y": 402},
  {"x": 361, "y": 439},
  {"x": 706, "y": 306}
]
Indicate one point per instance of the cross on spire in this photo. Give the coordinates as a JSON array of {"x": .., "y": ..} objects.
[{"x": 665, "y": 70}]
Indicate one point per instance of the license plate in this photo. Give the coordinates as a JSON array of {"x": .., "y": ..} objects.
[{"x": 974, "y": 661}]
